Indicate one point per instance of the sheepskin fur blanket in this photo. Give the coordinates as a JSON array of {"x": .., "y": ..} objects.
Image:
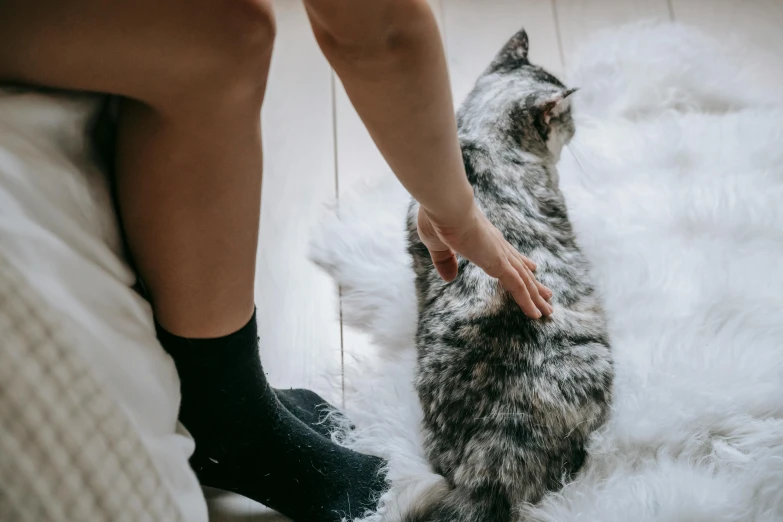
[{"x": 674, "y": 184}]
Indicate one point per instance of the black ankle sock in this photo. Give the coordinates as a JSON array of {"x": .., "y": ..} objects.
[
  {"x": 247, "y": 442},
  {"x": 310, "y": 408}
]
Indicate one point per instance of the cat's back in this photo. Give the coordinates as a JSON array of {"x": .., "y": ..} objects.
[
  {"x": 502, "y": 392},
  {"x": 497, "y": 388}
]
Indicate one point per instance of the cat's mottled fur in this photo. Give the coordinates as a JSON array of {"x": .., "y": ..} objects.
[{"x": 509, "y": 402}]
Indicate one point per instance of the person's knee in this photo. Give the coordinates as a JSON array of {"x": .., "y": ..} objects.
[
  {"x": 228, "y": 58},
  {"x": 251, "y": 34},
  {"x": 375, "y": 30}
]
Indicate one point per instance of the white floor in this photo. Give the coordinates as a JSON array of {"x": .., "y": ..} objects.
[{"x": 316, "y": 147}]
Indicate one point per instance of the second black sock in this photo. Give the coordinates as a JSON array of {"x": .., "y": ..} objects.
[{"x": 310, "y": 408}]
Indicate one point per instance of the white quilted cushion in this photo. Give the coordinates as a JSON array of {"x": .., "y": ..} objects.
[{"x": 60, "y": 245}]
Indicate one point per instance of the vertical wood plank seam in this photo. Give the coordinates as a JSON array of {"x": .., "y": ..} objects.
[
  {"x": 561, "y": 52},
  {"x": 333, "y": 86},
  {"x": 670, "y": 5}
]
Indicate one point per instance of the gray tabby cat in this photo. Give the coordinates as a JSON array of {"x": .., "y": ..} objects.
[{"x": 509, "y": 402}]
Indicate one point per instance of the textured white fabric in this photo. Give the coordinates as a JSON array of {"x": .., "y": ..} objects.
[
  {"x": 67, "y": 451},
  {"x": 674, "y": 184},
  {"x": 57, "y": 230}
]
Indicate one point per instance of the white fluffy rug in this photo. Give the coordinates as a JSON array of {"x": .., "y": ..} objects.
[{"x": 675, "y": 187}]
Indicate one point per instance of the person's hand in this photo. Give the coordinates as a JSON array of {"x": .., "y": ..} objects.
[{"x": 477, "y": 240}]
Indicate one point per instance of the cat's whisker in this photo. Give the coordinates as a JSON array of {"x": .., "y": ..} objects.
[
  {"x": 585, "y": 157},
  {"x": 578, "y": 156}
]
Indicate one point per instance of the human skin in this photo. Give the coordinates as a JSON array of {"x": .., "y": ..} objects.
[{"x": 191, "y": 75}]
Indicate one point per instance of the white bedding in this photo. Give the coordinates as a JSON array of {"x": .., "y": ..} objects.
[
  {"x": 60, "y": 249},
  {"x": 675, "y": 186}
]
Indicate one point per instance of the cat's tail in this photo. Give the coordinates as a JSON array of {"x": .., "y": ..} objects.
[{"x": 442, "y": 504}]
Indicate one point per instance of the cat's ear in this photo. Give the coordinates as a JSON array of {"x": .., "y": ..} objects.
[
  {"x": 514, "y": 51},
  {"x": 552, "y": 104}
]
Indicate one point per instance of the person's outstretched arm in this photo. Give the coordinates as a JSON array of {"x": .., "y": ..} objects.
[{"x": 389, "y": 56}]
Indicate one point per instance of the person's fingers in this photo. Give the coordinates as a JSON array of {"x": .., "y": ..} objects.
[
  {"x": 532, "y": 287},
  {"x": 544, "y": 291},
  {"x": 512, "y": 281},
  {"x": 540, "y": 301},
  {"x": 489, "y": 250},
  {"x": 445, "y": 263},
  {"x": 536, "y": 297},
  {"x": 528, "y": 263}
]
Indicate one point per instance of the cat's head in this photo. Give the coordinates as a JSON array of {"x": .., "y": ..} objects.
[{"x": 516, "y": 103}]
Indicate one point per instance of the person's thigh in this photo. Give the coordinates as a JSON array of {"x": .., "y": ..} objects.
[{"x": 142, "y": 49}]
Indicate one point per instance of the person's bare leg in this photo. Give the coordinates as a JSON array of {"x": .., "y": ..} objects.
[
  {"x": 189, "y": 150},
  {"x": 189, "y": 190},
  {"x": 192, "y": 74}
]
